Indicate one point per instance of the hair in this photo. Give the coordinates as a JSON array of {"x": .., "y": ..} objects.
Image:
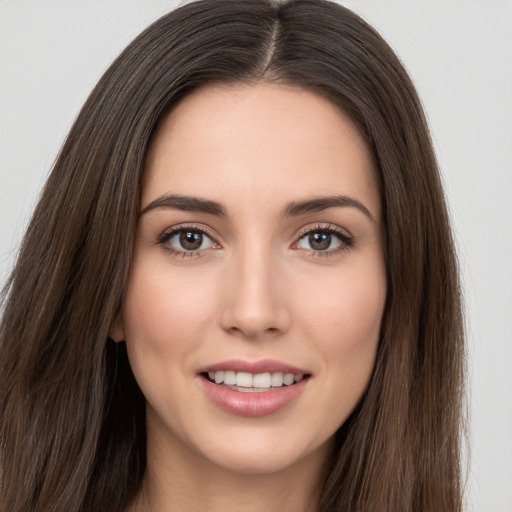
[{"x": 72, "y": 416}]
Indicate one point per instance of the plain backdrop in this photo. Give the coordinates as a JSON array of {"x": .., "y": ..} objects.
[{"x": 459, "y": 53}]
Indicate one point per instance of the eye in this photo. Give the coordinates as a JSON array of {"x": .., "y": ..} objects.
[
  {"x": 186, "y": 241},
  {"x": 325, "y": 240}
]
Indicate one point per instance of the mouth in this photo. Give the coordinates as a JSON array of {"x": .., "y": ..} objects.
[
  {"x": 253, "y": 388},
  {"x": 246, "y": 382}
]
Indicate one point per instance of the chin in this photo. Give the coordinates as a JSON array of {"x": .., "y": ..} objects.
[
  {"x": 260, "y": 455},
  {"x": 257, "y": 463}
]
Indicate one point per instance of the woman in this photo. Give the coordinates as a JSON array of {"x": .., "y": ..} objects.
[{"x": 239, "y": 287}]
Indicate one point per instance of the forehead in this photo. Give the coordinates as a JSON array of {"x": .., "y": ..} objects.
[{"x": 252, "y": 140}]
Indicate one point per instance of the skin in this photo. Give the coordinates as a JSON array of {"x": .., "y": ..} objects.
[{"x": 256, "y": 289}]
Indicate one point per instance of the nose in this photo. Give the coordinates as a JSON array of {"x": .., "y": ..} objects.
[{"x": 254, "y": 305}]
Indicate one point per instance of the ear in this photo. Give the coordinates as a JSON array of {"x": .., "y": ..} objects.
[{"x": 117, "y": 329}]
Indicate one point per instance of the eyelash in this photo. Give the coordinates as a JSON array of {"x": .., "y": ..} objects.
[
  {"x": 169, "y": 233},
  {"x": 346, "y": 241}
]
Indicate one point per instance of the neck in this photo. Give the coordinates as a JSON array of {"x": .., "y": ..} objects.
[{"x": 186, "y": 482}]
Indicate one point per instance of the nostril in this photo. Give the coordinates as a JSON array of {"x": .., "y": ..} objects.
[
  {"x": 251, "y": 330},
  {"x": 252, "y": 311}
]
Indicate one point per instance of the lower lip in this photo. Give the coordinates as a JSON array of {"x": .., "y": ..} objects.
[{"x": 252, "y": 404}]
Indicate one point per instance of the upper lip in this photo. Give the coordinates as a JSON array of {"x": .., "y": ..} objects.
[{"x": 255, "y": 367}]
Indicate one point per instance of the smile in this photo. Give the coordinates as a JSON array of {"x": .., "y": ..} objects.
[
  {"x": 253, "y": 389},
  {"x": 247, "y": 382}
]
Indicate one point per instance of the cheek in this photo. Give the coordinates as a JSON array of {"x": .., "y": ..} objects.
[
  {"x": 164, "y": 314},
  {"x": 345, "y": 320}
]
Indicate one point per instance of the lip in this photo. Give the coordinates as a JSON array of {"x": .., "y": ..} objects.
[
  {"x": 251, "y": 404},
  {"x": 255, "y": 367}
]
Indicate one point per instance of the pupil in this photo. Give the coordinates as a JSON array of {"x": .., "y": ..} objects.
[
  {"x": 319, "y": 241},
  {"x": 190, "y": 240}
]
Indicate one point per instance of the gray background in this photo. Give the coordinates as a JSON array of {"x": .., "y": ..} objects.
[{"x": 459, "y": 53}]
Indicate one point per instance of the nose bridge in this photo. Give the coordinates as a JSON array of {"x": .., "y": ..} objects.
[{"x": 254, "y": 305}]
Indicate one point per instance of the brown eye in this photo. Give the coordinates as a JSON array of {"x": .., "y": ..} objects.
[
  {"x": 186, "y": 241},
  {"x": 319, "y": 241},
  {"x": 324, "y": 241},
  {"x": 191, "y": 240}
]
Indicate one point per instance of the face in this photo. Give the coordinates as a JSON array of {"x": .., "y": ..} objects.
[{"x": 253, "y": 310}]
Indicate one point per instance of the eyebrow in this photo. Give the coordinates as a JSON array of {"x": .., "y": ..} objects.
[
  {"x": 293, "y": 209},
  {"x": 323, "y": 203},
  {"x": 186, "y": 204}
]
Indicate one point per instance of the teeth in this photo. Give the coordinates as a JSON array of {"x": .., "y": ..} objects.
[
  {"x": 288, "y": 379},
  {"x": 230, "y": 378},
  {"x": 249, "y": 380},
  {"x": 261, "y": 380},
  {"x": 277, "y": 379},
  {"x": 243, "y": 380}
]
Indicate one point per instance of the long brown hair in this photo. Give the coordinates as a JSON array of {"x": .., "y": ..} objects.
[{"x": 72, "y": 416}]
